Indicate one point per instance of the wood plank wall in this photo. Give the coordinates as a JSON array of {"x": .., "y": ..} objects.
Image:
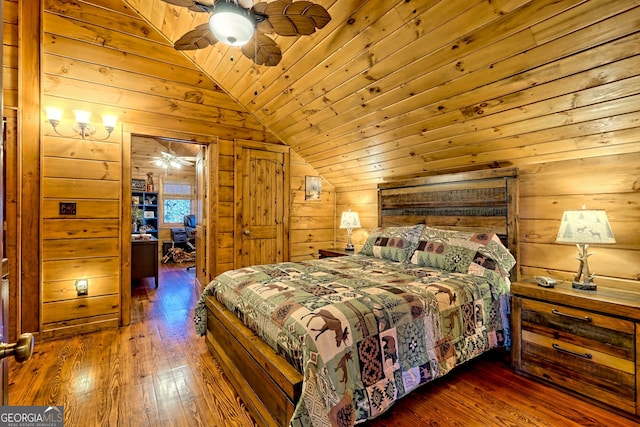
[
  {"x": 405, "y": 89},
  {"x": 563, "y": 110},
  {"x": 312, "y": 221},
  {"x": 546, "y": 190},
  {"x": 100, "y": 56},
  {"x": 85, "y": 245}
]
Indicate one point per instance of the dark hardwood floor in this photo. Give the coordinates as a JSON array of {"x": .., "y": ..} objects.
[{"x": 157, "y": 372}]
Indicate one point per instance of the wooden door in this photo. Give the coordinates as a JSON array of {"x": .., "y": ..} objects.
[
  {"x": 4, "y": 368},
  {"x": 201, "y": 218},
  {"x": 262, "y": 205},
  {"x": 4, "y": 292},
  {"x": 206, "y": 184}
]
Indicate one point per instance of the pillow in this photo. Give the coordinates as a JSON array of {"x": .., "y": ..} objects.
[
  {"x": 462, "y": 252},
  {"x": 392, "y": 243}
]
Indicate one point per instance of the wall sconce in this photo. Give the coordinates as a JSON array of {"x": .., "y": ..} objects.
[
  {"x": 349, "y": 221},
  {"x": 584, "y": 227},
  {"x": 83, "y": 126}
]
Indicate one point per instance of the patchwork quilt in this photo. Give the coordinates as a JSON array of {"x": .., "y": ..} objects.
[{"x": 364, "y": 331}]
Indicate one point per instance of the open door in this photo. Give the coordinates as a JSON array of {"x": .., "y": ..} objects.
[
  {"x": 23, "y": 349},
  {"x": 206, "y": 176}
]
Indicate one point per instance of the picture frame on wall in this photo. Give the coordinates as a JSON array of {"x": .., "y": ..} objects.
[{"x": 312, "y": 188}]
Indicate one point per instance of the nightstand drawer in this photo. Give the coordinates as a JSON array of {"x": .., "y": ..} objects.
[
  {"x": 604, "y": 333},
  {"x": 589, "y": 353}
]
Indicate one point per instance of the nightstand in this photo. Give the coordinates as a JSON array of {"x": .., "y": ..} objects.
[
  {"x": 332, "y": 252},
  {"x": 585, "y": 342}
]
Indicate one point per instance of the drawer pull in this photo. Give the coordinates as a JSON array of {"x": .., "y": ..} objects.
[
  {"x": 571, "y": 316},
  {"x": 573, "y": 353}
]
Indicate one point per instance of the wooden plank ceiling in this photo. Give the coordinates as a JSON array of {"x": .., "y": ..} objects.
[{"x": 402, "y": 88}]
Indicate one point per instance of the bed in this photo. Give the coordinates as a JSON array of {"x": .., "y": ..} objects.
[{"x": 337, "y": 341}]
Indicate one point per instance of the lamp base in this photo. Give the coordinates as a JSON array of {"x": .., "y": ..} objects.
[
  {"x": 584, "y": 286},
  {"x": 349, "y": 248}
]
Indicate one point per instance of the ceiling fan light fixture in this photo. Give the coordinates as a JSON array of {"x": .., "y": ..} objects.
[{"x": 231, "y": 24}]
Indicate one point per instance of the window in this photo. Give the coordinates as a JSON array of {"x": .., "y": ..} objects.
[
  {"x": 177, "y": 188},
  {"x": 176, "y": 201},
  {"x": 176, "y": 209}
]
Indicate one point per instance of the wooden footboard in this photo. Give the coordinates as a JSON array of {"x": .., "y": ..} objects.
[{"x": 264, "y": 380}]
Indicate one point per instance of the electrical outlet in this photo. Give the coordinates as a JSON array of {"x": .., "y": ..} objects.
[{"x": 82, "y": 287}]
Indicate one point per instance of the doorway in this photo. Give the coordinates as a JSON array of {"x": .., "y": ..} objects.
[{"x": 169, "y": 192}]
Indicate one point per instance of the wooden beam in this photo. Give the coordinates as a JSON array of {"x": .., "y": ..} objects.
[{"x": 29, "y": 146}]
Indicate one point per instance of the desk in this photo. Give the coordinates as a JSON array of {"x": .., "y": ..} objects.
[{"x": 144, "y": 259}]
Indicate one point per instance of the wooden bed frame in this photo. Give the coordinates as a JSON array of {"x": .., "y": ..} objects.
[{"x": 478, "y": 200}]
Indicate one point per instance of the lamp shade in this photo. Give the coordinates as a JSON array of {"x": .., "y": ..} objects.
[
  {"x": 109, "y": 120},
  {"x": 54, "y": 113},
  {"x": 82, "y": 116},
  {"x": 585, "y": 226},
  {"x": 350, "y": 220},
  {"x": 231, "y": 24}
]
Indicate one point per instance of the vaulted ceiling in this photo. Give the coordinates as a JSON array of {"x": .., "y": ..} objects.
[{"x": 401, "y": 88}]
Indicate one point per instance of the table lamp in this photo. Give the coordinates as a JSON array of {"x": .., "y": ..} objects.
[
  {"x": 349, "y": 221},
  {"x": 584, "y": 227}
]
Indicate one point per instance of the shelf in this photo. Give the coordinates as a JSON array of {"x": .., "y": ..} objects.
[{"x": 147, "y": 196}]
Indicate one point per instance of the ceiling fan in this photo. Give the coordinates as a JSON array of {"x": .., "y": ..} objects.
[
  {"x": 168, "y": 160},
  {"x": 242, "y": 23}
]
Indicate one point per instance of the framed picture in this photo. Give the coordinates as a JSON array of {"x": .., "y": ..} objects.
[
  {"x": 312, "y": 187},
  {"x": 138, "y": 185},
  {"x": 135, "y": 200},
  {"x": 149, "y": 214}
]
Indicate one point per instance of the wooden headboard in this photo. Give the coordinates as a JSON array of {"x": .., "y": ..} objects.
[{"x": 485, "y": 200}]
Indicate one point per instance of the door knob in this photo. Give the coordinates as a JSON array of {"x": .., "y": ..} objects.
[
  {"x": 246, "y": 232},
  {"x": 21, "y": 350}
]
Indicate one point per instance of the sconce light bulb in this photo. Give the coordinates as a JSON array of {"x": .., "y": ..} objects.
[
  {"x": 109, "y": 121},
  {"x": 82, "y": 117},
  {"x": 82, "y": 126},
  {"x": 54, "y": 115}
]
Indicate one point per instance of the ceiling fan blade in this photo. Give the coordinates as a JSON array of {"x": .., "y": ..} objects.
[
  {"x": 193, "y": 5},
  {"x": 288, "y": 18},
  {"x": 267, "y": 52},
  {"x": 198, "y": 38}
]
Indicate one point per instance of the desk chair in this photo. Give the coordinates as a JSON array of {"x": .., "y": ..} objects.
[{"x": 190, "y": 226}]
